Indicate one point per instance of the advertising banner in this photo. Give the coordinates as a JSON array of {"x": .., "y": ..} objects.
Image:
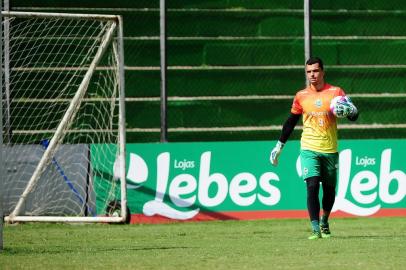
[{"x": 235, "y": 180}]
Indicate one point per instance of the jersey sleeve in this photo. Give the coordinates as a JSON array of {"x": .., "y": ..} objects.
[
  {"x": 296, "y": 106},
  {"x": 340, "y": 92}
]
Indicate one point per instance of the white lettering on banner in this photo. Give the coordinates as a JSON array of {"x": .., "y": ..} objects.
[
  {"x": 273, "y": 192},
  {"x": 138, "y": 169},
  {"x": 184, "y": 164},
  {"x": 387, "y": 177},
  {"x": 358, "y": 186},
  {"x": 243, "y": 183},
  {"x": 176, "y": 190},
  {"x": 341, "y": 203},
  {"x": 206, "y": 180},
  {"x": 364, "y": 161},
  {"x": 367, "y": 181},
  {"x": 158, "y": 206},
  {"x": 183, "y": 187}
]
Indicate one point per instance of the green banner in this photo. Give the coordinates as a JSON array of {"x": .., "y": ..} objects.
[{"x": 181, "y": 180}]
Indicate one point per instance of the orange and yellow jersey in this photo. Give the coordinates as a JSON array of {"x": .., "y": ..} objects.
[{"x": 319, "y": 124}]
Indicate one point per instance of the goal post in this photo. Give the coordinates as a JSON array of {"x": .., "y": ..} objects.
[
  {"x": 1, "y": 136},
  {"x": 65, "y": 151}
]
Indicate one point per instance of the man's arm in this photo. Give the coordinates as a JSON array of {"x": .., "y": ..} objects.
[{"x": 287, "y": 129}]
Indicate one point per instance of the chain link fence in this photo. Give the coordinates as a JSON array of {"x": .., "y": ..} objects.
[
  {"x": 234, "y": 66},
  {"x": 363, "y": 45}
]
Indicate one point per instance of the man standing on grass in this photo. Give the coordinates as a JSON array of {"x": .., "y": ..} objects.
[{"x": 318, "y": 154}]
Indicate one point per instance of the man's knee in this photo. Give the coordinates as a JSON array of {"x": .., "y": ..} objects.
[{"x": 313, "y": 185}]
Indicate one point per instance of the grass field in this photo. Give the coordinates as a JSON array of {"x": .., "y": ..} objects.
[{"x": 358, "y": 243}]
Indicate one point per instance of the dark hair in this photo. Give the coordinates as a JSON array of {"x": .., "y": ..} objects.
[{"x": 315, "y": 60}]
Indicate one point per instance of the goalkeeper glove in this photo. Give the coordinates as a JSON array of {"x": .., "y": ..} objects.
[
  {"x": 345, "y": 109},
  {"x": 275, "y": 153}
]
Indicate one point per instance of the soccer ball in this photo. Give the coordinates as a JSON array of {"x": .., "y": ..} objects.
[{"x": 336, "y": 101}]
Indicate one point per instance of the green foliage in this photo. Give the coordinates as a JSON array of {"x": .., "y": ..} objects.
[{"x": 357, "y": 243}]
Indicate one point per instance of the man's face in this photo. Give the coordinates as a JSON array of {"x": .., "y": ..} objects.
[{"x": 315, "y": 74}]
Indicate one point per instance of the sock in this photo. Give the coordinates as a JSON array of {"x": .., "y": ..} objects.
[
  {"x": 315, "y": 226},
  {"x": 313, "y": 203},
  {"x": 324, "y": 219}
]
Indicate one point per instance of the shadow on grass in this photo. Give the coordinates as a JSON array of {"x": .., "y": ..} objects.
[
  {"x": 61, "y": 250},
  {"x": 352, "y": 237}
]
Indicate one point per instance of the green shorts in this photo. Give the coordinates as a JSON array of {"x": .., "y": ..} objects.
[{"x": 319, "y": 164}]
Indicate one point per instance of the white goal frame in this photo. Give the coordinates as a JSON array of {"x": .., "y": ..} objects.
[{"x": 115, "y": 32}]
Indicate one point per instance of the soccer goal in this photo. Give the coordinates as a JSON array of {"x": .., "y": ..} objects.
[{"x": 63, "y": 118}]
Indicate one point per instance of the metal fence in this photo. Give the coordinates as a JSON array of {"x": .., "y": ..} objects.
[{"x": 234, "y": 66}]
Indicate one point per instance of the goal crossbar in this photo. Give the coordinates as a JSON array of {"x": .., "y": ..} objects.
[{"x": 22, "y": 14}]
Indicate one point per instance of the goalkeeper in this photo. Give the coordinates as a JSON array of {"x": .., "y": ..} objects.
[{"x": 318, "y": 154}]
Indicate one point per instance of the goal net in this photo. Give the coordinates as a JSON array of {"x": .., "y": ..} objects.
[{"x": 63, "y": 118}]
